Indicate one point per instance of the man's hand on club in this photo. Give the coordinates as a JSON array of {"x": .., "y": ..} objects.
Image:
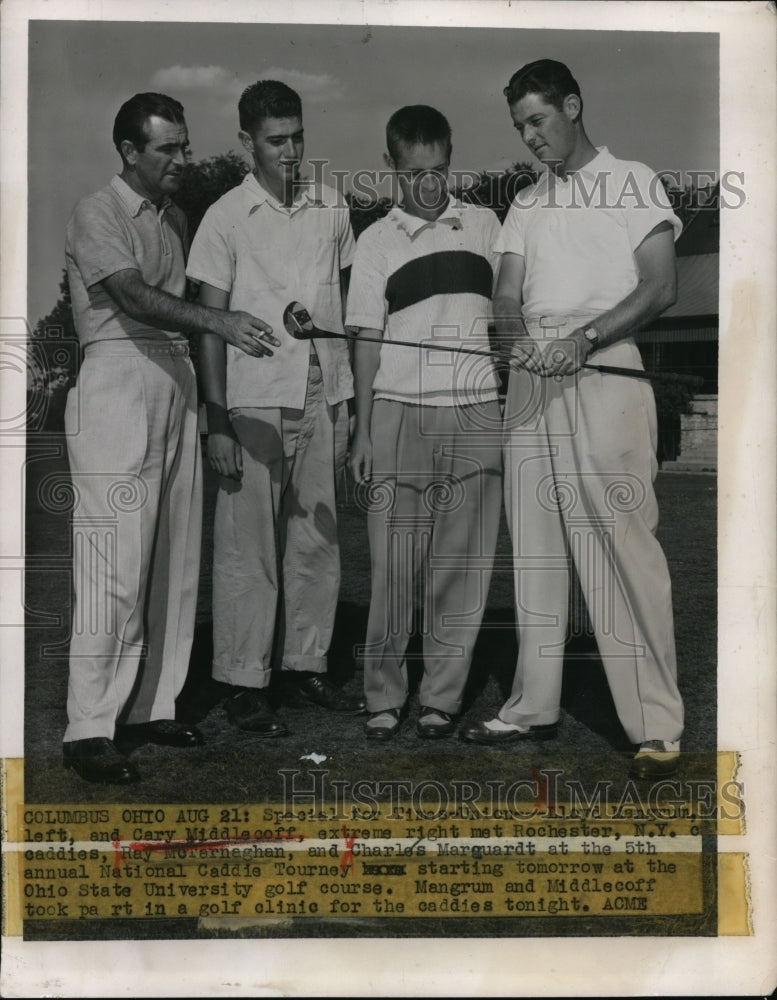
[
  {"x": 247, "y": 333},
  {"x": 566, "y": 355}
]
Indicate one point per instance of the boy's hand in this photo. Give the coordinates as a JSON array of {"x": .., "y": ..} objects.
[
  {"x": 527, "y": 354},
  {"x": 360, "y": 458},
  {"x": 225, "y": 455}
]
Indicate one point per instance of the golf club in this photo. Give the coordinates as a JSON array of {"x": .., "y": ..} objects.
[{"x": 298, "y": 324}]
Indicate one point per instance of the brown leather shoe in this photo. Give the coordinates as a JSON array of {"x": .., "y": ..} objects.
[
  {"x": 162, "y": 732},
  {"x": 321, "y": 691},
  {"x": 97, "y": 760},
  {"x": 250, "y": 710}
]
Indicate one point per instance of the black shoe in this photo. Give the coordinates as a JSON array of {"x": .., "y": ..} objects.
[
  {"x": 479, "y": 732},
  {"x": 98, "y": 760},
  {"x": 321, "y": 691},
  {"x": 429, "y": 730},
  {"x": 163, "y": 732},
  {"x": 384, "y": 731},
  {"x": 251, "y": 711}
]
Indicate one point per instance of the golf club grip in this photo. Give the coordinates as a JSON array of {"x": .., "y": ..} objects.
[{"x": 639, "y": 373}]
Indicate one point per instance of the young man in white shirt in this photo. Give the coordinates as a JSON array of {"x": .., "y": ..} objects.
[{"x": 276, "y": 435}]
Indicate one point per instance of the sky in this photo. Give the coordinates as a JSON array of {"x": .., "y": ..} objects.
[{"x": 649, "y": 96}]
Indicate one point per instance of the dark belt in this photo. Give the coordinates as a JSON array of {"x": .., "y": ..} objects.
[{"x": 129, "y": 348}]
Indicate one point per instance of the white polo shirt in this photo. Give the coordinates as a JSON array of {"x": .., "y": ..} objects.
[
  {"x": 428, "y": 282},
  {"x": 578, "y": 235},
  {"x": 265, "y": 256}
]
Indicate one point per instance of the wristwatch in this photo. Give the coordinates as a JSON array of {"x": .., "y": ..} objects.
[{"x": 591, "y": 336}]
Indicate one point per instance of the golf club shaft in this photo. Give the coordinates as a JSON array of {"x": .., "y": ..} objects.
[{"x": 604, "y": 369}]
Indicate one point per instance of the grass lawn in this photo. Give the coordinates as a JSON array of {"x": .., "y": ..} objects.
[{"x": 235, "y": 767}]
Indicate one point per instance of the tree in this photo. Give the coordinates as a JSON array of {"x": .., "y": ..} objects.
[
  {"x": 205, "y": 181},
  {"x": 52, "y": 363},
  {"x": 497, "y": 190},
  {"x": 364, "y": 211}
]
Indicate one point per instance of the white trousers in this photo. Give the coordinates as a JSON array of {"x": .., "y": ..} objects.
[
  {"x": 133, "y": 445},
  {"x": 276, "y": 559},
  {"x": 580, "y": 464}
]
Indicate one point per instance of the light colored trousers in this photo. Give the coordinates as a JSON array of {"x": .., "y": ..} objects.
[
  {"x": 579, "y": 470},
  {"x": 435, "y": 499},
  {"x": 131, "y": 424},
  {"x": 276, "y": 559}
]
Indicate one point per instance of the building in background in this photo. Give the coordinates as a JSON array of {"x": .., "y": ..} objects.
[{"x": 685, "y": 340}]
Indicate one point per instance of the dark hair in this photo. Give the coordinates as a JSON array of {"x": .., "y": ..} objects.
[
  {"x": 133, "y": 114},
  {"x": 551, "y": 79},
  {"x": 416, "y": 123},
  {"x": 267, "y": 99}
]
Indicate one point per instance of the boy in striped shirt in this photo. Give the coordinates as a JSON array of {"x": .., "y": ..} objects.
[{"x": 426, "y": 446}]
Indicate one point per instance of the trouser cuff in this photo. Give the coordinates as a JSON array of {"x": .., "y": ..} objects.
[{"x": 523, "y": 719}]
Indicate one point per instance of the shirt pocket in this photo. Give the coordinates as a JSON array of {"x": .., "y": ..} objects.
[{"x": 325, "y": 263}]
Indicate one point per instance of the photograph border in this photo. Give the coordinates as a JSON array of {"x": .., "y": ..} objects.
[{"x": 746, "y": 574}]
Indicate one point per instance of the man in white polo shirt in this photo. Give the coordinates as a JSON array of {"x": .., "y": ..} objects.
[
  {"x": 587, "y": 257},
  {"x": 276, "y": 434},
  {"x": 131, "y": 424}
]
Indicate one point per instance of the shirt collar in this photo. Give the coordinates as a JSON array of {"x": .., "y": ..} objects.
[
  {"x": 598, "y": 163},
  {"x": 412, "y": 225},
  {"x": 257, "y": 196},
  {"x": 133, "y": 201}
]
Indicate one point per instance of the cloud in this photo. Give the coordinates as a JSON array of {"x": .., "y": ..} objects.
[
  {"x": 217, "y": 81},
  {"x": 189, "y": 79}
]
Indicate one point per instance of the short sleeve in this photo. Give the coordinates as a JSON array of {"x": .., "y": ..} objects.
[
  {"x": 367, "y": 287},
  {"x": 212, "y": 255},
  {"x": 646, "y": 204},
  {"x": 510, "y": 238},
  {"x": 99, "y": 242}
]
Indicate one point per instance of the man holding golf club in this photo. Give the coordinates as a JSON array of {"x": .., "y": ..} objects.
[
  {"x": 587, "y": 257},
  {"x": 276, "y": 434}
]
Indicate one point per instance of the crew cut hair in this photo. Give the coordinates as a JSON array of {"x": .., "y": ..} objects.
[
  {"x": 414, "y": 124},
  {"x": 131, "y": 120},
  {"x": 267, "y": 99},
  {"x": 550, "y": 79}
]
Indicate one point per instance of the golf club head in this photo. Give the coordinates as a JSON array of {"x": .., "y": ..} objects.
[{"x": 297, "y": 322}]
